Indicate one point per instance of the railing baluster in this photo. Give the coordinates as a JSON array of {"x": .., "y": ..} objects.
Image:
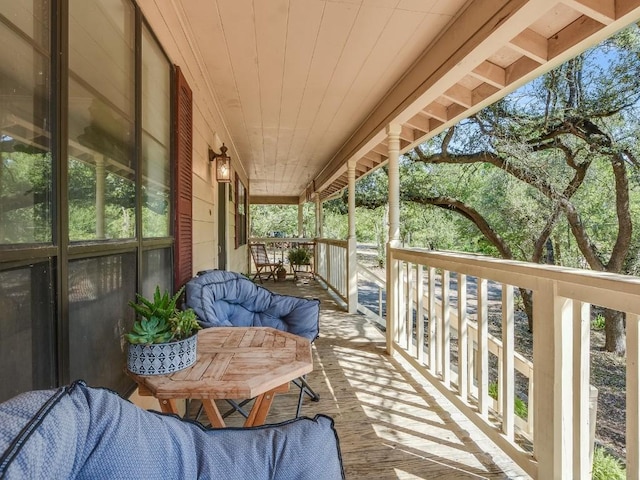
[
  {"x": 581, "y": 374},
  {"x": 444, "y": 346},
  {"x": 419, "y": 313},
  {"x": 402, "y": 306},
  {"x": 409, "y": 312},
  {"x": 431, "y": 307},
  {"x": 633, "y": 397},
  {"x": 463, "y": 339},
  {"x": 483, "y": 348},
  {"x": 508, "y": 377}
]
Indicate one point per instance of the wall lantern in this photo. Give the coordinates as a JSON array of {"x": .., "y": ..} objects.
[{"x": 223, "y": 164}]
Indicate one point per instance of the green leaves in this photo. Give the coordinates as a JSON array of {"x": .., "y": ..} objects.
[
  {"x": 150, "y": 330},
  {"x": 162, "y": 305},
  {"x": 161, "y": 321}
]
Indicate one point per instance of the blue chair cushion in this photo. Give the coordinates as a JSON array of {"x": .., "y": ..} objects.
[
  {"x": 89, "y": 433},
  {"x": 229, "y": 299}
]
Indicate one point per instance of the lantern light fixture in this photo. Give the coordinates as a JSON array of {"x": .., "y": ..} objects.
[{"x": 223, "y": 164}]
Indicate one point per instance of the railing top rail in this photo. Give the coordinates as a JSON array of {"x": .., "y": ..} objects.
[
  {"x": 281, "y": 240},
  {"x": 620, "y": 292},
  {"x": 333, "y": 241}
]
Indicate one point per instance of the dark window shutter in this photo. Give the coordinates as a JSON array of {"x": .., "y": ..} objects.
[{"x": 183, "y": 141}]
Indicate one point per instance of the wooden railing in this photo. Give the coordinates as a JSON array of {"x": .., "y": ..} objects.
[
  {"x": 332, "y": 265},
  {"x": 522, "y": 365},
  {"x": 558, "y": 399}
]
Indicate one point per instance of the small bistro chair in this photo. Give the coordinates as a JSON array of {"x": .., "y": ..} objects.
[{"x": 263, "y": 265}]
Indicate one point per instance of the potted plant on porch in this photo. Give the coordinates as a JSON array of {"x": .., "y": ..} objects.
[
  {"x": 297, "y": 258},
  {"x": 281, "y": 272},
  {"x": 164, "y": 338}
]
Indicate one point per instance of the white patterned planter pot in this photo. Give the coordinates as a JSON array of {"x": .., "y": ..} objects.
[{"x": 162, "y": 358}]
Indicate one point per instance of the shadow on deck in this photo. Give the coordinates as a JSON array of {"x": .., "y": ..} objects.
[{"x": 390, "y": 425}]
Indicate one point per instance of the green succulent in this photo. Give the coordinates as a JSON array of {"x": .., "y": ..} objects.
[
  {"x": 184, "y": 323},
  {"x": 162, "y": 305},
  {"x": 150, "y": 330},
  {"x": 161, "y": 321}
]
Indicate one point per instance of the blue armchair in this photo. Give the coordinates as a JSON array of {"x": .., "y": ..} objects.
[{"x": 79, "y": 432}]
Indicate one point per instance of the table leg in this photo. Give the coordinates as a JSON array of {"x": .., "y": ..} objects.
[
  {"x": 261, "y": 406},
  {"x": 169, "y": 406},
  {"x": 213, "y": 414}
]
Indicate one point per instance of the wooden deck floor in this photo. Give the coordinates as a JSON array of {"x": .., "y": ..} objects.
[{"x": 390, "y": 425}]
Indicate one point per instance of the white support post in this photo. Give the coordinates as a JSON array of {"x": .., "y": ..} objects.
[
  {"x": 300, "y": 220},
  {"x": 100, "y": 196},
  {"x": 552, "y": 369},
  {"x": 318, "y": 216},
  {"x": 352, "y": 267},
  {"x": 393, "y": 277}
]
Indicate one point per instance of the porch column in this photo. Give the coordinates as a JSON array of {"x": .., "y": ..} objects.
[
  {"x": 100, "y": 195},
  {"x": 393, "y": 267},
  {"x": 318, "y": 216},
  {"x": 300, "y": 220},
  {"x": 553, "y": 418},
  {"x": 352, "y": 260}
]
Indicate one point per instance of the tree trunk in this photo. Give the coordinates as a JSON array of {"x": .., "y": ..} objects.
[
  {"x": 614, "y": 331},
  {"x": 527, "y": 299}
]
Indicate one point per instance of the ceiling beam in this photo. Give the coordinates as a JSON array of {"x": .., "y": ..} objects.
[
  {"x": 520, "y": 68},
  {"x": 531, "y": 44},
  {"x": 482, "y": 92},
  {"x": 437, "y": 110},
  {"x": 490, "y": 73},
  {"x": 406, "y": 134},
  {"x": 460, "y": 95},
  {"x": 603, "y": 11},
  {"x": 419, "y": 122},
  {"x": 573, "y": 33},
  {"x": 274, "y": 200}
]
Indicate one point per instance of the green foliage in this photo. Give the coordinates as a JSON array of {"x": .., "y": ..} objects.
[
  {"x": 161, "y": 321},
  {"x": 598, "y": 323},
  {"x": 606, "y": 466},
  {"x": 299, "y": 256},
  {"x": 150, "y": 330},
  {"x": 183, "y": 324},
  {"x": 266, "y": 219},
  {"x": 519, "y": 407}
]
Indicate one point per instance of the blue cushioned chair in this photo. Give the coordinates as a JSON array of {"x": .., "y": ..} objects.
[
  {"x": 230, "y": 299},
  {"x": 79, "y": 432}
]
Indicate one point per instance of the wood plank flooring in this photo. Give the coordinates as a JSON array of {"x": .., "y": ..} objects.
[{"x": 390, "y": 425}]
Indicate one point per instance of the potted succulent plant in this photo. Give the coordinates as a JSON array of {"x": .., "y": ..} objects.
[{"x": 163, "y": 340}]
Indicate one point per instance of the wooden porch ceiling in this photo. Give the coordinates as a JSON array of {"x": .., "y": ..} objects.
[{"x": 304, "y": 86}]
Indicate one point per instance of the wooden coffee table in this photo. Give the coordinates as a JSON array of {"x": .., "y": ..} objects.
[{"x": 234, "y": 363}]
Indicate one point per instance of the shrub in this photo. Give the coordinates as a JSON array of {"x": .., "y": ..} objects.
[
  {"x": 597, "y": 323},
  {"x": 519, "y": 407},
  {"x": 606, "y": 466}
]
